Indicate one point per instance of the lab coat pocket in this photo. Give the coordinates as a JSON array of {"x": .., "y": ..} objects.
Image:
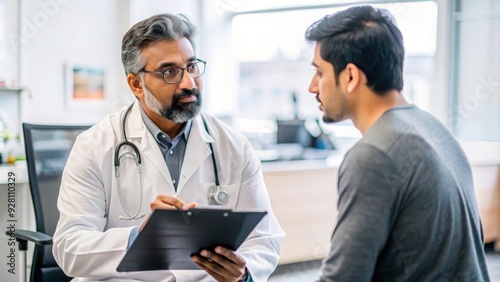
[{"x": 225, "y": 197}]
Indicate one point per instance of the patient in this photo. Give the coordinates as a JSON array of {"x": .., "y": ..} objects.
[{"x": 407, "y": 208}]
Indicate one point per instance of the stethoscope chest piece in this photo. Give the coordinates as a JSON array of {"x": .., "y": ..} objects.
[{"x": 220, "y": 196}]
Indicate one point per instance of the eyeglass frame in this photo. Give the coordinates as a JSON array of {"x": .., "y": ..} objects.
[{"x": 162, "y": 73}]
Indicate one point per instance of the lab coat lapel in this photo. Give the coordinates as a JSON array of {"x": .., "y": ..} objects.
[
  {"x": 147, "y": 144},
  {"x": 197, "y": 151}
]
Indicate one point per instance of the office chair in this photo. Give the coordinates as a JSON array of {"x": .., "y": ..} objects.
[{"x": 47, "y": 150}]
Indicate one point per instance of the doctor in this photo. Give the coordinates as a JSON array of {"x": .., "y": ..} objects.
[{"x": 160, "y": 153}]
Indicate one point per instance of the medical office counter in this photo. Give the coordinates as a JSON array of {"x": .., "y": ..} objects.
[{"x": 303, "y": 195}]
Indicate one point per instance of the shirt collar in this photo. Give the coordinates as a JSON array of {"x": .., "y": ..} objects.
[{"x": 156, "y": 132}]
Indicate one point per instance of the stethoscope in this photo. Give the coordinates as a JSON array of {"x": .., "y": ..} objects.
[{"x": 219, "y": 196}]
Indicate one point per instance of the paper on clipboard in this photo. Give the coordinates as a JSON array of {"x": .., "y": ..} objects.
[{"x": 170, "y": 237}]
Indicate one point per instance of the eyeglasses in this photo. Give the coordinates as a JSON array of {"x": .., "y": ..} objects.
[{"x": 173, "y": 75}]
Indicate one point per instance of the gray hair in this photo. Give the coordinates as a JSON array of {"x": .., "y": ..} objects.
[{"x": 156, "y": 28}]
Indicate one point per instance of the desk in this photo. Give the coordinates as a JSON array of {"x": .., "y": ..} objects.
[
  {"x": 303, "y": 195},
  {"x": 487, "y": 185},
  {"x": 484, "y": 158},
  {"x": 304, "y": 198}
]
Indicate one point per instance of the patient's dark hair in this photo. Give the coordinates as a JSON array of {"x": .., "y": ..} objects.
[{"x": 367, "y": 37}]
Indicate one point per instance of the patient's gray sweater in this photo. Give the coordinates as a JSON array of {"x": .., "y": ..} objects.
[{"x": 407, "y": 209}]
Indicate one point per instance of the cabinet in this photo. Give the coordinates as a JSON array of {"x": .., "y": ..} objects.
[
  {"x": 304, "y": 199},
  {"x": 487, "y": 187},
  {"x": 303, "y": 195}
]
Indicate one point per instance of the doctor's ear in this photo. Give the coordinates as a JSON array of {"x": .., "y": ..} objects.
[{"x": 135, "y": 84}]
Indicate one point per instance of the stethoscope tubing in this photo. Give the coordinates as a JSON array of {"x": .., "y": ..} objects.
[
  {"x": 220, "y": 196},
  {"x": 138, "y": 162}
]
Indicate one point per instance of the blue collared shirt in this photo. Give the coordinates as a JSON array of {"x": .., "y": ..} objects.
[{"x": 172, "y": 149}]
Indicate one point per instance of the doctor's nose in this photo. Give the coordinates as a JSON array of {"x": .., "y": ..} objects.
[{"x": 187, "y": 82}]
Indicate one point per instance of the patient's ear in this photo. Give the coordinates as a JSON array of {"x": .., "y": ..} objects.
[{"x": 352, "y": 73}]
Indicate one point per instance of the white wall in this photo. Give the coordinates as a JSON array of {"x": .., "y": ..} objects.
[
  {"x": 90, "y": 31},
  {"x": 80, "y": 32},
  {"x": 8, "y": 57},
  {"x": 204, "y": 40},
  {"x": 141, "y": 9},
  {"x": 56, "y": 33}
]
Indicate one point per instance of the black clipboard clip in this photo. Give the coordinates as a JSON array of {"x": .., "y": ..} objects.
[{"x": 186, "y": 214}]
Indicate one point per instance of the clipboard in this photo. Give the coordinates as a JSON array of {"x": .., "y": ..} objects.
[{"x": 170, "y": 237}]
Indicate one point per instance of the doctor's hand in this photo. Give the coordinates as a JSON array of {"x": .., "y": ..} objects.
[
  {"x": 167, "y": 202},
  {"x": 223, "y": 265}
]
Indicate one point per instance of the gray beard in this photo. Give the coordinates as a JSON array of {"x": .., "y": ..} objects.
[{"x": 179, "y": 112}]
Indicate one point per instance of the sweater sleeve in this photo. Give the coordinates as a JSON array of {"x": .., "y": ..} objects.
[{"x": 367, "y": 207}]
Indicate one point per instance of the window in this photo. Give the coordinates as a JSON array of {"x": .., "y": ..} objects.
[
  {"x": 275, "y": 59},
  {"x": 475, "y": 70}
]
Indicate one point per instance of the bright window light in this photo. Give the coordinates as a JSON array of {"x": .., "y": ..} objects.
[{"x": 265, "y": 36}]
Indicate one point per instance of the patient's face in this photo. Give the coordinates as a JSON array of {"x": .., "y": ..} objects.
[{"x": 327, "y": 89}]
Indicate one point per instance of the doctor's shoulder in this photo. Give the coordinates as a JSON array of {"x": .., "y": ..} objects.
[
  {"x": 224, "y": 134},
  {"x": 101, "y": 135}
]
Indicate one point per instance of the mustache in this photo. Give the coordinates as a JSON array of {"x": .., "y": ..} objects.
[{"x": 186, "y": 93}]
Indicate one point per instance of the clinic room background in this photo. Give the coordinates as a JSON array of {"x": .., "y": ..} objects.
[{"x": 60, "y": 64}]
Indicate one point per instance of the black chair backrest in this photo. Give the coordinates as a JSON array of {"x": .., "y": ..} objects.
[{"x": 47, "y": 150}]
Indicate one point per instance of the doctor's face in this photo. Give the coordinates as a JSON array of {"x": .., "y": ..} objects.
[{"x": 179, "y": 101}]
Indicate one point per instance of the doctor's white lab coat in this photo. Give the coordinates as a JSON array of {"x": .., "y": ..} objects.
[{"x": 90, "y": 239}]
